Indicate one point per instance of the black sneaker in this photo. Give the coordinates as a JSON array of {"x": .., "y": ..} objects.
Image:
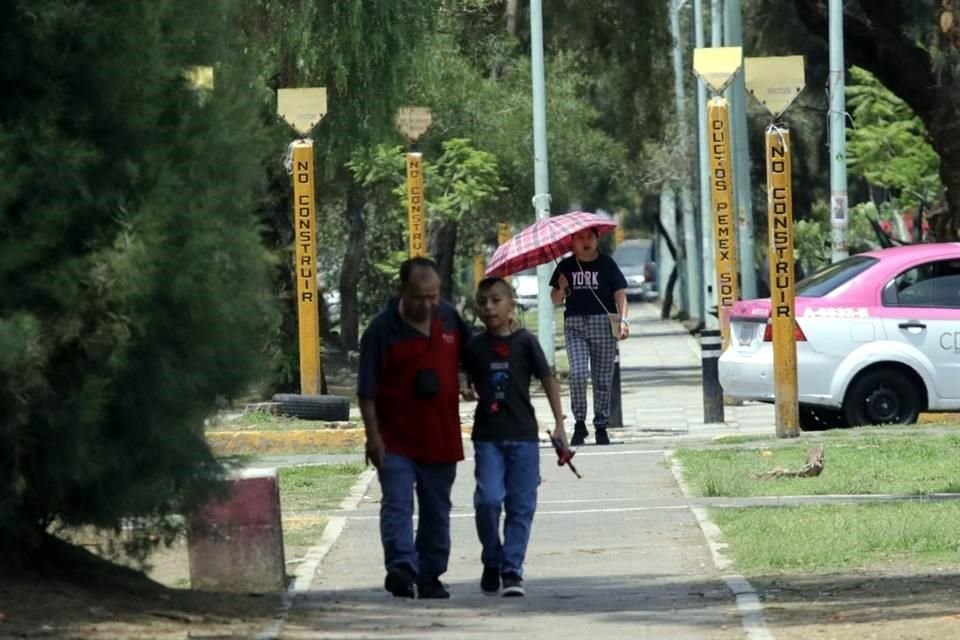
[
  {"x": 432, "y": 589},
  {"x": 601, "y": 436},
  {"x": 579, "y": 433},
  {"x": 490, "y": 581},
  {"x": 513, "y": 586},
  {"x": 399, "y": 582}
]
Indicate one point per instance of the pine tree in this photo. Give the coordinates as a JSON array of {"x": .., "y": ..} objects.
[{"x": 131, "y": 271}]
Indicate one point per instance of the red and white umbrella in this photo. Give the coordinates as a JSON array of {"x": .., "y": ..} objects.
[{"x": 544, "y": 241}]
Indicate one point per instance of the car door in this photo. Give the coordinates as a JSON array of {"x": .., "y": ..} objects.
[{"x": 922, "y": 309}]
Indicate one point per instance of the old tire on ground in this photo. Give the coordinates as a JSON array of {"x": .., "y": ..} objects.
[
  {"x": 813, "y": 418},
  {"x": 329, "y": 408},
  {"x": 882, "y": 396}
]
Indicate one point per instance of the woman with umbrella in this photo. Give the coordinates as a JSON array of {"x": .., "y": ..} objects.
[{"x": 594, "y": 290}]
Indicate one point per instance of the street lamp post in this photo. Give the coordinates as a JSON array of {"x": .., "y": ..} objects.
[{"x": 541, "y": 197}]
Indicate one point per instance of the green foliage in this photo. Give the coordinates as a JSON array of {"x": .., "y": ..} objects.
[
  {"x": 130, "y": 261},
  {"x": 888, "y": 145},
  {"x": 457, "y": 186}
]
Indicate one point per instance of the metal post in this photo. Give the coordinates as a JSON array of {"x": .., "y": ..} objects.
[
  {"x": 710, "y": 349},
  {"x": 668, "y": 221},
  {"x": 541, "y": 198},
  {"x": 716, "y": 23},
  {"x": 616, "y": 401},
  {"x": 706, "y": 219},
  {"x": 737, "y": 97},
  {"x": 838, "y": 138},
  {"x": 692, "y": 270}
]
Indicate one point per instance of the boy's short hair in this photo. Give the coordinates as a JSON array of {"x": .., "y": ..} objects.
[{"x": 490, "y": 283}]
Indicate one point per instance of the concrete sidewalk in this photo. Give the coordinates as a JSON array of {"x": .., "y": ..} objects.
[{"x": 617, "y": 554}]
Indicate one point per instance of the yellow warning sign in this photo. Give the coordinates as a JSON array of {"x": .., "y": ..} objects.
[
  {"x": 302, "y": 108},
  {"x": 775, "y": 81},
  {"x": 717, "y": 66},
  {"x": 413, "y": 122}
]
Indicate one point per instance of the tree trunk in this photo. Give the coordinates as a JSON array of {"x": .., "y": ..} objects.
[
  {"x": 511, "y": 14},
  {"x": 442, "y": 245},
  {"x": 881, "y": 42},
  {"x": 352, "y": 261}
]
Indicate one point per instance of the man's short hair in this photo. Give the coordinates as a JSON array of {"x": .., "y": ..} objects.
[{"x": 410, "y": 263}]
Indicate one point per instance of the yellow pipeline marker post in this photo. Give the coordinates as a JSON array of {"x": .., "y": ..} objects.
[
  {"x": 782, "y": 281},
  {"x": 618, "y": 235},
  {"x": 479, "y": 265},
  {"x": 413, "y": 122},
  {"x": 717, "y": 67},
  {"x": 724, "y": 213},
  {"x": 416, "y": 221},
  {"x": 303, "y": 109},
  {"x": 776, "y": 82},
  {"x": 503, "y": 235}
]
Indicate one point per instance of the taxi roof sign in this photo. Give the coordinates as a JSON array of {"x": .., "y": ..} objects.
[
  {"x": 717, "y": 66},
  {"x": 302, "y": 108},
  {"x": 774, "y": 81},
  {"x": 413, "y": 122}
]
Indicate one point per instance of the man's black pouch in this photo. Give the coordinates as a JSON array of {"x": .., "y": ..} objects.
[{"x": 426, "y": 383}]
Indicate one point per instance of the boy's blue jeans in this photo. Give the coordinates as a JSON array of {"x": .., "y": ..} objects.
[
  {"x": 426, "y": 555},
  {"x": 507, "y": 474}
]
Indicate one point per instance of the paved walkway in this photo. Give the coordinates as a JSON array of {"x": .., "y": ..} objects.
[{"x": 617, "y": 554}]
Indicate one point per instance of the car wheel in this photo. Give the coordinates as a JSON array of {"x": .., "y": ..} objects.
[
  {"x": 882, "y": 396},
  {"x": 328, "y": 408},
  {"x": 820, "y": 418}
]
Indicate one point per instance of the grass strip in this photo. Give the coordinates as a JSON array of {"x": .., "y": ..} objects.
[
  {"x": 895, "y": 463},
  {"x": 828, "y": 537},
  {"x": 305, "y": 493}
]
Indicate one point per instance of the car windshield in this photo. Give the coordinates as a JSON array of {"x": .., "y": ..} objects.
[
  {"x": 631, "y": 255},
  {"x": 829, "y": 278}
]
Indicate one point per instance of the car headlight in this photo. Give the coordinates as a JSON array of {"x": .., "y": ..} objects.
[{"x": 635, "y": 280}]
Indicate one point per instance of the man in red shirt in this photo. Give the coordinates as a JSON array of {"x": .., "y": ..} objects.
[{"x": 409, "y": 394}]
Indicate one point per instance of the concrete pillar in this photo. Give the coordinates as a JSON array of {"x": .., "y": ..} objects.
[{"x": 236, "y": 544}]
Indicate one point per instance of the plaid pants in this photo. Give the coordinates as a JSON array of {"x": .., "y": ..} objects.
[{"x": 591, "y": 348}]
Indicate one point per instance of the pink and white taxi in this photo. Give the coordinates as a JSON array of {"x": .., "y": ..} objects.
[{"x": 878, "y": 339}]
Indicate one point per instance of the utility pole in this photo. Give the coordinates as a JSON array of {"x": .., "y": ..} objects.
[
  {"x": 541, "y": 197},
  {"x": 706, "y": 210},
  {"x": 692, "y": 268},
  {"x": 838, "y": 137},
  {"x": 737, "y": 97},
  {"x": 716, "y": 23}
]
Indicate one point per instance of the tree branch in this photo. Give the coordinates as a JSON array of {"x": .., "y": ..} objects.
[{"x": 877, "y": 42}]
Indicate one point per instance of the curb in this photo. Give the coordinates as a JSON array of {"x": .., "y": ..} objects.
[
  {"x": 226, "y": 443},
  {"x": 748, "y": 600},
  {"x": 293, "y": 441}
]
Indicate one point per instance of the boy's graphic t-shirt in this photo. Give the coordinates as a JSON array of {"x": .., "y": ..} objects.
[
  {"x": 501, "y": 369},
  {"x": 601, "y": 276}
]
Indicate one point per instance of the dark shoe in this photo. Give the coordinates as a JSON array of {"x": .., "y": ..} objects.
[
  {"x": 513, "y": 586},
  {"x": 579, "y": 433},
  {"x": 601, "y": 436},
  {"x": 432, "y": 589},
  {"x": 399, "y": 582},
  {"x": 490, "y": 581}
]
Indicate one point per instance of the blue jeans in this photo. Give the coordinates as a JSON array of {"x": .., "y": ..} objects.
[
  {"x": 508, "y": 474},
  {"x": 426, "y": 555}
]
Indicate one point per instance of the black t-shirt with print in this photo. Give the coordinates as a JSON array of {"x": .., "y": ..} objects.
[
  {"x": 602, "y": 275},
  {"x": 501, "y": 369}
]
